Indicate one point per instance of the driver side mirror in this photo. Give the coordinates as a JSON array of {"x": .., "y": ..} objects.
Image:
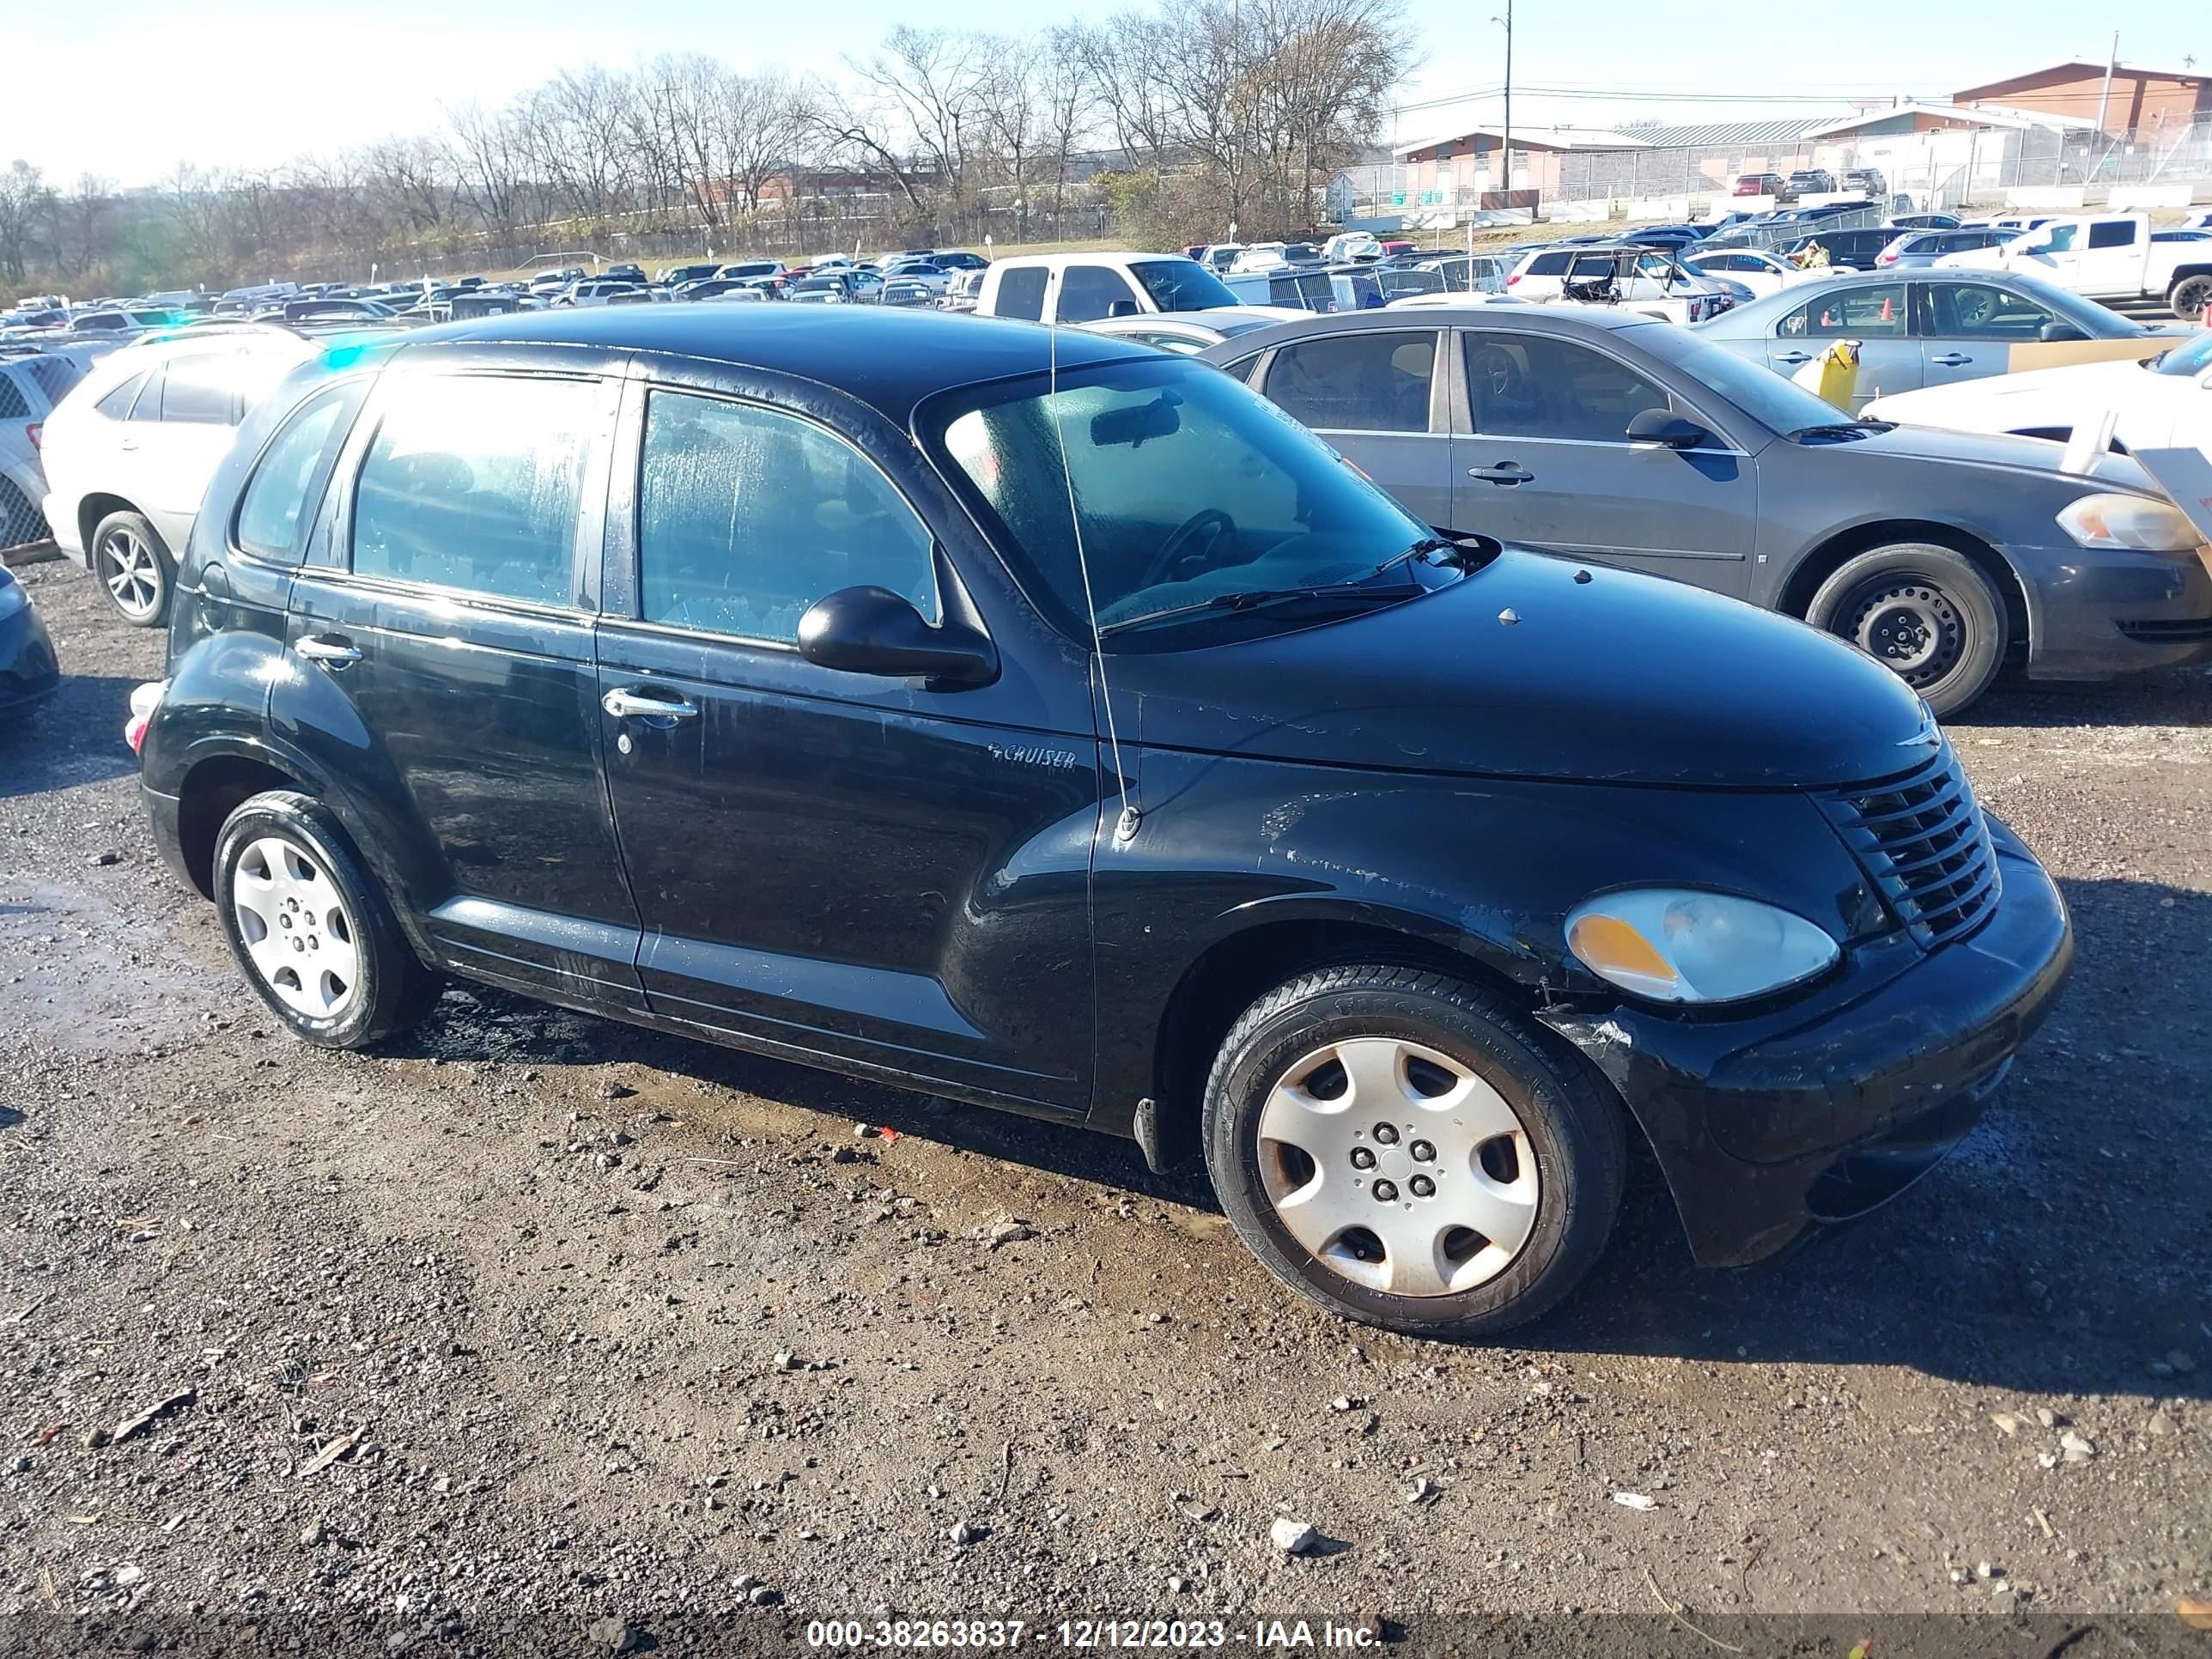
[
  {"x": 2059, "y": 333},
  {"x": 872, "y": 631},
  {"x": 1666, "y": 429},
  {"x": 1122, "y": 308}
]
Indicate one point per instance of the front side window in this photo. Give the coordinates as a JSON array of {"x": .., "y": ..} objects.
[
  {"x": 746, "y": 516},
  {"x": 472, "y": 484},
  {"x": 270, "y": 512},
  {"x": 1188, "y": 486},
  {"x": 1983, "y": 311},
  {"x": 1877, "y": 312},
  {"x": 1021, "y": 294},
  {"x": 1181, "y": 285},
  {"x": 1525, "y": 386},
  {"x": 1088, "y": 293},
  {"x": 2059, "y": 239},
  {"x": 1355, "y": 382}
]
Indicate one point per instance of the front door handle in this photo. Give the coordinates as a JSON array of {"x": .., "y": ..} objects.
[
  {"x": 643, "y": 705},
  {"x": 1795, "y": 357},
  {"x": 1505, "y": 473},
  {"x": 332, "y": 650},
  {"x": 1951, "y": 360}
]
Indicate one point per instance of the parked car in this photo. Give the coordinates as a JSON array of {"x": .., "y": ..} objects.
[
  {"x": 1082, "y": 288},
  {"x": 1218, "y": 257},
  {"x": 1465, "y": 273},
  {"x": 1927, "y": 329},
  {"x": 927, "y": 272},
  {"x": 1351, "y": 245},
  {"x": 2161, "y": 402},
  {"x": 1260, "y": 258},
  {"x": 1759, "y": 184},
  {"x": 1922, "y": 221},
  {"x": 1867, "y": 181},
  {"x": 625, "y": 273},
  {"x": 128, "y": 452},
  {"x": 2113, "y": 256},
  {"x": 960, "y": 260},
  {"x": 830, "y": 287},
  {"x": 1913, "y": 249},
  {"x": 1857, "y": 249},
  {"x": 1809, "y": 181},
  {"x": 1607, "y": 437},
  {"x": 33, "y": 380},
  {"x": 698, "y": 272},
  {"x": 1712, "y": 842},
  {"x": 740, "y": 270},
  {"x": 1286, "y": 288},
  {"x": 598, "y": 292},
  {"x": 29, "y": 674},
  {"x": 1649, "y": 280},
  {"x": 1761, "y": 272},
  {"x": 1396, "y": 249}
]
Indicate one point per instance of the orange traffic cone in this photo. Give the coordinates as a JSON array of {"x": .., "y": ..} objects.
[{"x": 1884, "y": 308}]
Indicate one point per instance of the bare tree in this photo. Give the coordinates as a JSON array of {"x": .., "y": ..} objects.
[{"x": 23, "y": 205}]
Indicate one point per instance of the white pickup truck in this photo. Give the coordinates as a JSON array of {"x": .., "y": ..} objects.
[
  {"x": 2112, "y": 256},
  {"x": 1088, "y": 287}
]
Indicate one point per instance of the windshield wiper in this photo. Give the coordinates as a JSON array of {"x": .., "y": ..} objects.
[
  {"x": 1253, "y": 598},
  {"x": 1421, "y": 550},
  {"x": 1842, "y": 429}
]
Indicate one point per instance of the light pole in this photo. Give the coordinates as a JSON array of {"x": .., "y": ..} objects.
[{"x": 1506, "y": 148}]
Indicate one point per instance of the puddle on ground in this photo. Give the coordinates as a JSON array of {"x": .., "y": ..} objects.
[{"x": 86, "y": 975}]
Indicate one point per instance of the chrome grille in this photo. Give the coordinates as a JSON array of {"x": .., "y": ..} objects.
[{"x": 1921, "y": 839}]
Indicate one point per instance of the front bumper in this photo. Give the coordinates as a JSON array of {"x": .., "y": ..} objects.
[
  {"x": 29, "y": 671},
  {"x": 1764, "y": 1123},
  {"x": 2094, "y": 612}
]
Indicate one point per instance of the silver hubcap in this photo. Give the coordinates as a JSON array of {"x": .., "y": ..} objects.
[
  {"x": 134, "y": 576},
  {"x": 1397, "y": 1168},
  {"x": 298, "y": 932}
]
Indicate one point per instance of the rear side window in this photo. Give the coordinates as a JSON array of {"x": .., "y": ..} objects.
[
  {"x": 1021, "y": 294},
  {"x": 55, "y": 376},
  {"x": 116, "y": 404},
  {"x": 746, "y": 516},
  {"x": 13, "y": 406},
  {"x": 276, "y": 499},
  {"x": 201, "y": 391},
  {"x": 472, "y": 482},
  {"x": 2113, "y": 232},
  {"x": 1355, "y": 382},
  {"x": 1549, "y": 265},
  {"x": 1878, "y": 311}
]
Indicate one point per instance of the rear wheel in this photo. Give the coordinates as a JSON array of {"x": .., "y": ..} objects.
[
  {"x": 1406, "y": 1151},
  {"x": 308, "y": 924},
  {"x": 133, "y": 564},
  {"x": 2191, "y": 299},
  {"x": 1923, "y": 611}
]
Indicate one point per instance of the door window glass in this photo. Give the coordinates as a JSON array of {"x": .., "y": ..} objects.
[
  {"x": 1859, "y": 313},
  {"x": 1529, "y": 387},
  {"x": 13, "y": 406},
  {"x": 1021, "y": 293},
  {"x": 117, "y": 404},
  {"x": 1355, "y": 382},
  {"x": 472, "y": 482},
  {"x": 1088, "y": 293},
  {"x": 747, "y": 516},
  {"x": 275, "y": 497},
  {"x": 2113, "y": 233},
  {"x": 1983, "y": 311},
  {"x": 2059, "y": 239},
  {"x": 201, "y": 391}
]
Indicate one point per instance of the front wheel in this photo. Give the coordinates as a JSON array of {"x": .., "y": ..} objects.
[
  {"x": 309, "y": 926},
  {"x": 1405, "y": 1150},
  {"x": 1923, "y": 611},
  {"x": 2191, "y": 299}
]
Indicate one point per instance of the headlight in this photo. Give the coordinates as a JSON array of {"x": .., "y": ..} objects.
[
  {"x": 12, "y": 598},
  {"x": 2136, "y": 521},
  {"x": 1674, "y": 945}
]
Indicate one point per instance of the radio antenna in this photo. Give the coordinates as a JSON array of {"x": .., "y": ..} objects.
[{"x": 1125, "y": 827}]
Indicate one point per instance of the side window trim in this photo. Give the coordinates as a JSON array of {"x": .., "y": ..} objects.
[
  {"x": 339, "y": 501},
  {"x": 1439, "y": 401},
  {"x": 622, "y": 586},
  {"x": 318, "y": 480}
]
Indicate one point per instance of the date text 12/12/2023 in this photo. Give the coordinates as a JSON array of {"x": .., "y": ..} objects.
[{"x": 1167, "y": 1635}]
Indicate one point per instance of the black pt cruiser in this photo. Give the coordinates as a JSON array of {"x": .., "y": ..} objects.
[{"x": 1050, "y": 723}]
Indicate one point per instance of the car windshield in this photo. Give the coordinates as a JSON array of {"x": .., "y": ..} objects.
[
  {"x": 1182, "y": 285},
  {"x": 1188, "y": 490},
  {"x": 1772, "y": 400},
  {"x": 2185, "y": 360}
]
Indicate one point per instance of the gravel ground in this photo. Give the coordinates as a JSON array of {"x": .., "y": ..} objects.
[{"x": 537, "y": 1331}]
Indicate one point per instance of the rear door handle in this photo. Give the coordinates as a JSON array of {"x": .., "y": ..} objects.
[
  {"x": 1795, "y": 357},
  {"x": 1505, "y": 473},
  {"x": 643, "y": 705},
  {"x": 332, "y": 650},
  {"x": 1951, "y": 360}
]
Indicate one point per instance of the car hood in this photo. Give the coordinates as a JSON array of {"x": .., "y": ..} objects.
[
  {"x": 1542, "y": 667},
  {"x": 1999, "y": 450}
]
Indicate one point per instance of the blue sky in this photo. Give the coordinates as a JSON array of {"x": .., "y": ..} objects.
[{"x": 139, "y": 85}]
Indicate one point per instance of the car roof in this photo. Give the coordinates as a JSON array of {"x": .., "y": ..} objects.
[
  {"x": 1533, "y": 320},
  {"x": 891, "y": 359}
]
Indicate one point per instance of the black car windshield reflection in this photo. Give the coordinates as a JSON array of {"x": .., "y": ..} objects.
[{"x": 1189, "y": 489}]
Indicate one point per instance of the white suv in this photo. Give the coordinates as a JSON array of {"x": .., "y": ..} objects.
[{"x": 130, "y": 452}]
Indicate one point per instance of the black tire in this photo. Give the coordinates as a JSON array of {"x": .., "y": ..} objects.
[
  {"x": 2191, "y": 299},
  {"x": 391, "y": 989},
  {"x": 1573, "y": 1126},
  {"x": 134, "y": 567},
  {"x": 1924, "y": 610}
]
